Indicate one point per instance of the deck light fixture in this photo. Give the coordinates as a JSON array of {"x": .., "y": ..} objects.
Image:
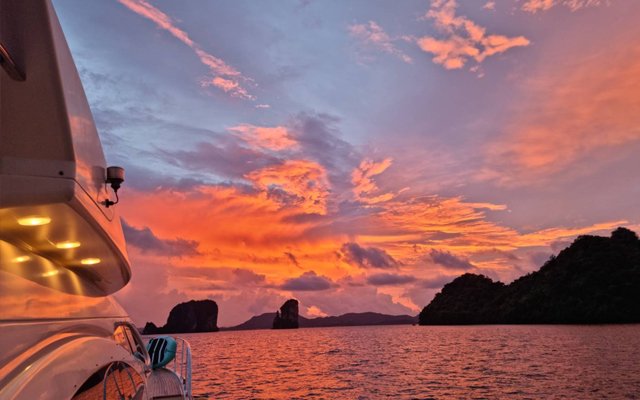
[
  {"x": 69, "y": 244},
  {"x": 34, "y": 220}
]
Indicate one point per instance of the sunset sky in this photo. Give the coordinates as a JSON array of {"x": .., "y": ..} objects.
[{"x": 357, "y": 155}]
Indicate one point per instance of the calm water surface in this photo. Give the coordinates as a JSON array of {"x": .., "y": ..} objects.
[{"x": 413, "y": 362}]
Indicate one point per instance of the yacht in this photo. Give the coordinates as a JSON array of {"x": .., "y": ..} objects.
[{"x": 62, "y": 251}]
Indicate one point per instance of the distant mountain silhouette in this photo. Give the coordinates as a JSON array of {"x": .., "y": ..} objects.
[
  {"x": 265, "y": 321},
  {"x": 189, "y": 317},
  {"x": 595, "y": 280},
  {"x": 357, "y": 319},
  {"x": 262, "y": 321}
]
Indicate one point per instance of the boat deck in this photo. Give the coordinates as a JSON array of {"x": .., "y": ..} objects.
[{"x": 164, "y": 384}]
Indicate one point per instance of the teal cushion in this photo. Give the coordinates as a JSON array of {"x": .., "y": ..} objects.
[{"x": 161, "y": 350}]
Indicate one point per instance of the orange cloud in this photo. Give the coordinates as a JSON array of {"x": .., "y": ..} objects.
[
  {"x": 573, "y": 113},
  {"x": 411, "y": 228},
  {"x": 232, "y": 227},
  {"x": 246, "y": 240},
  {"x": 546, "y": 236},
  {"x": 303, "y": 182},
  {"x": 225, "y": 76},
  {"x": 364, "y": 186},
  {"x": 285, "y": 230},
  {"x": 261, "y": 137},
  {"x": 464, "y": 39}
]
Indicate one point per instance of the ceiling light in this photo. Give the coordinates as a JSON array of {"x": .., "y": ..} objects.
[
  {"x": 69, "y": 244},
  {"x": 21, "y": 259},
  {"x": 90, "y": 261},
  {"x": 34, "y": 220},
  {"x": 50, "y": 273}
]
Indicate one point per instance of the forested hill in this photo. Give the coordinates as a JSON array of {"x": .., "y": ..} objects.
[{"x": 595, "y": 280}]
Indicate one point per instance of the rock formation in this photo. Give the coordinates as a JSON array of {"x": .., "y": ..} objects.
[
  {"x": 189, "y": 317},
  {"x": 595, "y": 280},
  {"x": 150, "y": 329},
  {"x": 287, "y": 317}
]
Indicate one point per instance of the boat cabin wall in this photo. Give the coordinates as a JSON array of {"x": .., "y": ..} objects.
[
  {"x": 50, "y": 151},
  {"x": 46, "y": 125}
]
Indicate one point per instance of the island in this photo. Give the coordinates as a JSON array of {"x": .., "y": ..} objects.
[
  {"x": 287, "y": 317},
  {"x": 593, "y": 281},
  {"x": 190, "y": 317}
]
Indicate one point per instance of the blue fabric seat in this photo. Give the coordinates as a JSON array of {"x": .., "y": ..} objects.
[{"x": 161, "y": 350}]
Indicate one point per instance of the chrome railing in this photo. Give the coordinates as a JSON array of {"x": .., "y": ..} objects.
[{"x": 181, "y": 365}]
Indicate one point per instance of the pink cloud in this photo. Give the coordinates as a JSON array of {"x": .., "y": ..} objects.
[
  {"x": 143, "y": 8},
  {"x": 489, "y": 5},
  {"x": 225, "y": 77},
  {"x": 586, "y": 108},
  {"x": 463, "y": 40},
  {"x": 533, "y": 6},
  {"x": 261, "y": 137},
  {"x": 373, "y": 35}
]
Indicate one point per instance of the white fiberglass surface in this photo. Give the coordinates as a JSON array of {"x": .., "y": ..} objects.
[{"x": 26, "y": 299}]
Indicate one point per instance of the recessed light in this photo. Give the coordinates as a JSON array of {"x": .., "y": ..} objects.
[
  {"x": 50, "y": 273},
  {"x": 34, "y": 220},
  {"x": 90, "y": 261},
  {"x": 69, "y": 244},
  {"x": 21, "y": 259}
]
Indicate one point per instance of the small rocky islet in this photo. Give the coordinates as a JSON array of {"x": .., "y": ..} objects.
[
  {"x": 190, "y": 317},
  {"x": 287, "y": 317}
]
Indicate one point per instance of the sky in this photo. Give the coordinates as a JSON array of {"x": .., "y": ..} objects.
[{"x": 357, "y": 155}]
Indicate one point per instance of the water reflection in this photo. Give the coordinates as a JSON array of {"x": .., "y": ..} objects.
[{"x": 420, "y": 362}]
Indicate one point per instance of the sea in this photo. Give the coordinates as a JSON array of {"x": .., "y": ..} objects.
[{"x": 420, "y": 362}]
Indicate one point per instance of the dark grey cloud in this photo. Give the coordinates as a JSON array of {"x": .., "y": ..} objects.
[
  {"x": 450, "y": 260},
  {"x": 225, "y": 155},
  {"x": 320, "y": 141},
  {"x": 493, "y": 254},
  {"x": 390, "y": 279},
  {"x": 309, "y": 281},
  {"x": 435, "y": 282},
  {"x": 245, "y": 276},
  {"x": 367, "y": 257},
  {"x": 229, "y": 156},
  {"x": 292, "y": 258},
  {"x": 145, "y": 179},
  {"x": 145, "y": 240}
]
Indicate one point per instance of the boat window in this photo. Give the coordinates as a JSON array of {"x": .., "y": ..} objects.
[
  {"x": 123, "y": 337},
  {"x": 117, "y": 381}
]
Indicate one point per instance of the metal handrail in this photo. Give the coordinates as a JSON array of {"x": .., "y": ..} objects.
[{"x": 181, "y": 365}]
